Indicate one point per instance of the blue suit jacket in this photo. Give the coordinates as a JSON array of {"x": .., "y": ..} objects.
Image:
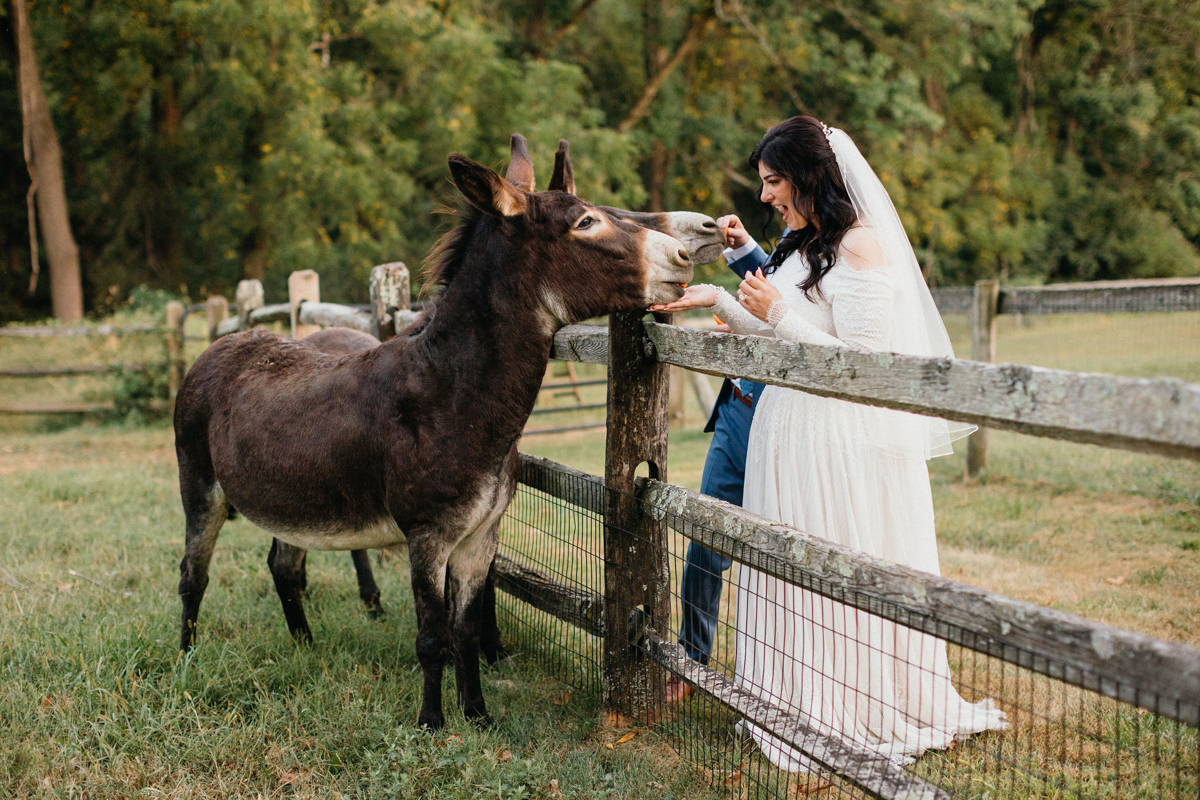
[{"x": 747, "y": 263}]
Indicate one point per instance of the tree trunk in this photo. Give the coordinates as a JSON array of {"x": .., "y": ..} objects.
[{"x": 43, "y": 157}]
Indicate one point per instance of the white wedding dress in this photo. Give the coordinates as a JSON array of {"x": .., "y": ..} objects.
[{"x": 855, "y": 475}]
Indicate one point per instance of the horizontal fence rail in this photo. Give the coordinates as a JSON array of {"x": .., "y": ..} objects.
[
  {"x": 78, "y": 369},
  {"x": 329, "y": 315},
  {"x": 1103, "y": 297},
  {"x": 43, "y": 332},
  {"x": 1151, "y": 415}
]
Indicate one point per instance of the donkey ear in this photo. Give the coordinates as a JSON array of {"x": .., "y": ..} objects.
[
  {"x": 520, "y": 165},
  {"x": 563, "y": 179},
  {"x": 486, "y": 190}
]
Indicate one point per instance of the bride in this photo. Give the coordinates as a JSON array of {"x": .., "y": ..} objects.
[{"x": 844, "y": 274}]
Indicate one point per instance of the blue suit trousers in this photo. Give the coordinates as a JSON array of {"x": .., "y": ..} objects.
[{"x": 724, "y": 478}]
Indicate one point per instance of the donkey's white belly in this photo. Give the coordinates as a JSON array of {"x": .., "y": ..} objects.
[
  {"x": 481, "y": 513},
  {"x": 383, "y": 533}
]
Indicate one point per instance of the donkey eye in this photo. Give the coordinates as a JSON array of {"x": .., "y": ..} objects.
[{"x": 585, "y": 222}]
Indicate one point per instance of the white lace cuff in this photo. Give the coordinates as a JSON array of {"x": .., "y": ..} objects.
[
  {"x": 739, "y": 319},
  {"x": 777, "y": 311}
]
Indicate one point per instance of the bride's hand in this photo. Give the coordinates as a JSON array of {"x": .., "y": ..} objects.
[
  {"x": 756, "y": 295},
  {"x": 699, "y": 296}
]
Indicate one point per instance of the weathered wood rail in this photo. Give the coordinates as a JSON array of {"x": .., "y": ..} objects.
[
  {"x": 49, "y": 331},
  {"x": 57, "y": 371},
  {"x": 1151, "y": 415},
  {"x": 986, "y": 300},
  {"x": 1100, "y": 297},
  {"x": 76, "y": 369}
]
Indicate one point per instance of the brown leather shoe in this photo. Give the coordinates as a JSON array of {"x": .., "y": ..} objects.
[{"x": 677, "y": 689}]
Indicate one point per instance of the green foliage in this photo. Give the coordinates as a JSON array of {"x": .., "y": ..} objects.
[
  {"x": 140, "y": 396},
  {"x": 210, "y": 140}
]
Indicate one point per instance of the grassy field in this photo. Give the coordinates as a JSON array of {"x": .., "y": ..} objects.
[{"x": 95, "y": 701}]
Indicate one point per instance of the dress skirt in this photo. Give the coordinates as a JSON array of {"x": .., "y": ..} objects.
[{"x": 857, "y": 476}]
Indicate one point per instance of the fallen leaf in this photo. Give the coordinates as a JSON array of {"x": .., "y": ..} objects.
[
  {"x": 64, "y": 587},
  {"x": 552, "y": 790},
  {"x": 608, "y": 745},
  {"x": 1117, "y": 581},
  {"x": 810, "y": 785},
  {"x": 562, "y": 699},
  {"x": 504, "y": 756},
  {"x": 629, "y": 737}
]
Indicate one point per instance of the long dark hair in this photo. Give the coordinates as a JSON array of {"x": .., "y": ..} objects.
[{"x": 796, "y": 149}]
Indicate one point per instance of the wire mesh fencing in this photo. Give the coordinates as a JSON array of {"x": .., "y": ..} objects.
[
  {"x": 799, "y": 683},
  {"x": 1143, "y": 329}
]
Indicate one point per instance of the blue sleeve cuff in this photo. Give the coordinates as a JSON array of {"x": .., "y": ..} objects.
[{"x": 732, "y": 254}]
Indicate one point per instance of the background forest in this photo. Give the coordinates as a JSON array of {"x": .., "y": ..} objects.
[{"x": 205, "y": 141}]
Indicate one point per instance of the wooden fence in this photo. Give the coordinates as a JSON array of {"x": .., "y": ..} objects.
[
  {"x": 986, "y": 300},
  {"x": 1160, "y": 416},
  {"x": 68, "y": 370}
]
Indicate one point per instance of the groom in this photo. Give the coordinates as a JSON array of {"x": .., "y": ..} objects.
[{"x": 723, "y": 478}]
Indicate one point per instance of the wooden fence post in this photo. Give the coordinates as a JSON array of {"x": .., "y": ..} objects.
[
  {"x": 635, "y": 545},
  {"x": 389, "y": 295},
  {"x": 175, "y": 313},
  {"x": 304, "y": 285},
  {"x": 983, "y": 348},
  {"x": 249, "y": 297},
  {"x": 216, "y": 312}
]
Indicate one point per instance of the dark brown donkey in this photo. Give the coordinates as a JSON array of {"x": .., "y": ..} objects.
[
  {"x": 344, "y": 342},
  {"x": 698, "y": 233},
  {"x": 416, "y": 438}
]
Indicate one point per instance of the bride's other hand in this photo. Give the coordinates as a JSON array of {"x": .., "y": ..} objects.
[
  {"x": 756, "y": 295},
  {"x": 736, "y": 234},
  {"x": 699, "y": 296}
]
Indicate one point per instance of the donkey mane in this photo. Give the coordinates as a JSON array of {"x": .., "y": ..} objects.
[{"x": 447, "y": 256}]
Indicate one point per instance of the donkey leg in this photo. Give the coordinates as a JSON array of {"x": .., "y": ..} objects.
[
  {"x": 489, "y": 636},
  {"x": 287, "y": 568},
  {"x": 427, "y": 567},
  {"x": 368, "y": 591},
  {"x": 205, "y": 509},
  {"x": 468, "y": 570}
]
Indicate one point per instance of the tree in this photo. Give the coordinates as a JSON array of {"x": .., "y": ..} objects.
[{"x": 43, "y": 159}]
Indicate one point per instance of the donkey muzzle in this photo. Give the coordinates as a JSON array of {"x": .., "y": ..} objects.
[
  {"x": 698, "y": 233},
  {"x": 668, "y": 267}
]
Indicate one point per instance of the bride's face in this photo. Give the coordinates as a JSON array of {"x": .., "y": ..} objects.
[{"x": 777, "y": 190}]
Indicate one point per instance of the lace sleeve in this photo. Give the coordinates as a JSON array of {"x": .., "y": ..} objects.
[
  {"x": 863, "y": 314},
  {"x": 738, "y": 318}
]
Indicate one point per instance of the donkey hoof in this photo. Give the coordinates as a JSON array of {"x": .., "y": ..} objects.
[
  {"x": 375, "y": 610},
  {"x": 430, "y": 722}
]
